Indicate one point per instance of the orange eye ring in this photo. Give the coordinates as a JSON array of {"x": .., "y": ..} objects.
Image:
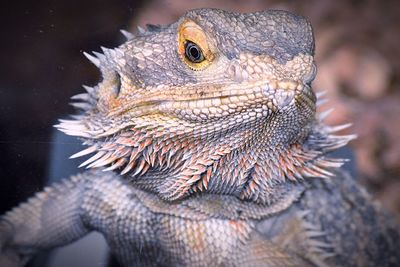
[{"x": 193, "y": 47}]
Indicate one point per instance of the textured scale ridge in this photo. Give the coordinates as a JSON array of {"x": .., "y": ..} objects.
[
  {"x": 205, "y": 148},
  {"x": 143, "y": 145}
]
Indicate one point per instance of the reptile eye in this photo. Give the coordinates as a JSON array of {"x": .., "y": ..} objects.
[
  {"x": 193, "y": 52},
  {"x": 194, "y": 46}
]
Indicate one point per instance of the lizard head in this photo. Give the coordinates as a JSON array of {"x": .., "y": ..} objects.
[{"x": 217, "y": 102}]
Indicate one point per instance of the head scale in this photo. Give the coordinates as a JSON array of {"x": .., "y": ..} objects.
[{"x": 217, "y": 102}]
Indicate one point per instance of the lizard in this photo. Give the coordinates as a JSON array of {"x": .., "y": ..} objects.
[{"x": 206, "y": 149}]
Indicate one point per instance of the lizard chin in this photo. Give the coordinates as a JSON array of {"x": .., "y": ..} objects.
[{"x": 188, "y": 162}]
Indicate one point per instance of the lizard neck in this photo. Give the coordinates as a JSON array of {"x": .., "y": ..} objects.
[
  {"x": 252, "y": 172},
  {"x": 255, "y": 162},
  {"x": 251, "y": 157}
]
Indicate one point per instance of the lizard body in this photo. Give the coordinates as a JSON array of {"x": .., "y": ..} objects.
[{"x": 205, "y": 134}]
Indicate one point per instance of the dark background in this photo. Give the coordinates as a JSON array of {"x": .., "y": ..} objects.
[{"x": 42, "y": 65}]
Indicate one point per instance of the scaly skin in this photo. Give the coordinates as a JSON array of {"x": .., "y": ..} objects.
[{"x": 208, "y": 157}]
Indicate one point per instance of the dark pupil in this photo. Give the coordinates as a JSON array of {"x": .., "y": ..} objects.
[{"x": 193, "y": 52}]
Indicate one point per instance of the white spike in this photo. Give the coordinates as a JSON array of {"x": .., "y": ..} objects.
[
  {"x": 108, "y": 132},
  {"x": 119, "y": 52},
  {"x": 322, "y": 116},
  {"x": 95, "y": 132},
  {"x": 315, "y": 233},
  {"x": 58, "y": 126},
  {"x": 89, "y": 89},
  {"x": 127, "y": 34},
  {"x": 77, "y": 117},
  {"x": 73, "y": 127},
  {"x": 111, "y": 168},
  {"x": 342, "y": 140},
  {"x": 92, "y": 59},
  {"x": 321, "y": 102},
  {"x": 139, "y": 168},
  {"x": 349, "y": 137},
  {"x": 83, "y": 96},
  {"x": 107, "y": 51},
  {"x": 80, "y": 105},
  {"x": 84, "y": 152},
  {"x": 103, "y": 161},
  {"x": 116, "y": 165},
  {"x": 320, "y": 94},
  {"x": 69, "y": 121},
  {"x": 93, "y": 158},
  {"x": 72, "y": 132},
  {"x": 100, "y": 56},
  {"x": 141, "y": 30},
  {"x": 320, "y": 244},
  {"x": 333, "y": 129},
  {"x": 128, "y": 167},
  {"x": 322, "y": 172},
  {"x": 126, "y": 170}
]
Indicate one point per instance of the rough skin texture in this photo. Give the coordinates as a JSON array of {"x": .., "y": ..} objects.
[{"x": 208, "y": 152}]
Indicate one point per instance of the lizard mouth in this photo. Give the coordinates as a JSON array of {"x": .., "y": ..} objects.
[
  {"x": 238, "y": 105},
  {"x": 193, "y": 105}
]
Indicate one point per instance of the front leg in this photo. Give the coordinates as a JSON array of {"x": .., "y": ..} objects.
[{"x": 51, "y": 218}]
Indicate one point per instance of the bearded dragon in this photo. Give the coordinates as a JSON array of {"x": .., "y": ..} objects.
[{"x": 207, "y": 150}]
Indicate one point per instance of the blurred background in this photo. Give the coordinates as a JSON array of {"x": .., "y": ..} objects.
[{"x": 42, "y": 65}]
